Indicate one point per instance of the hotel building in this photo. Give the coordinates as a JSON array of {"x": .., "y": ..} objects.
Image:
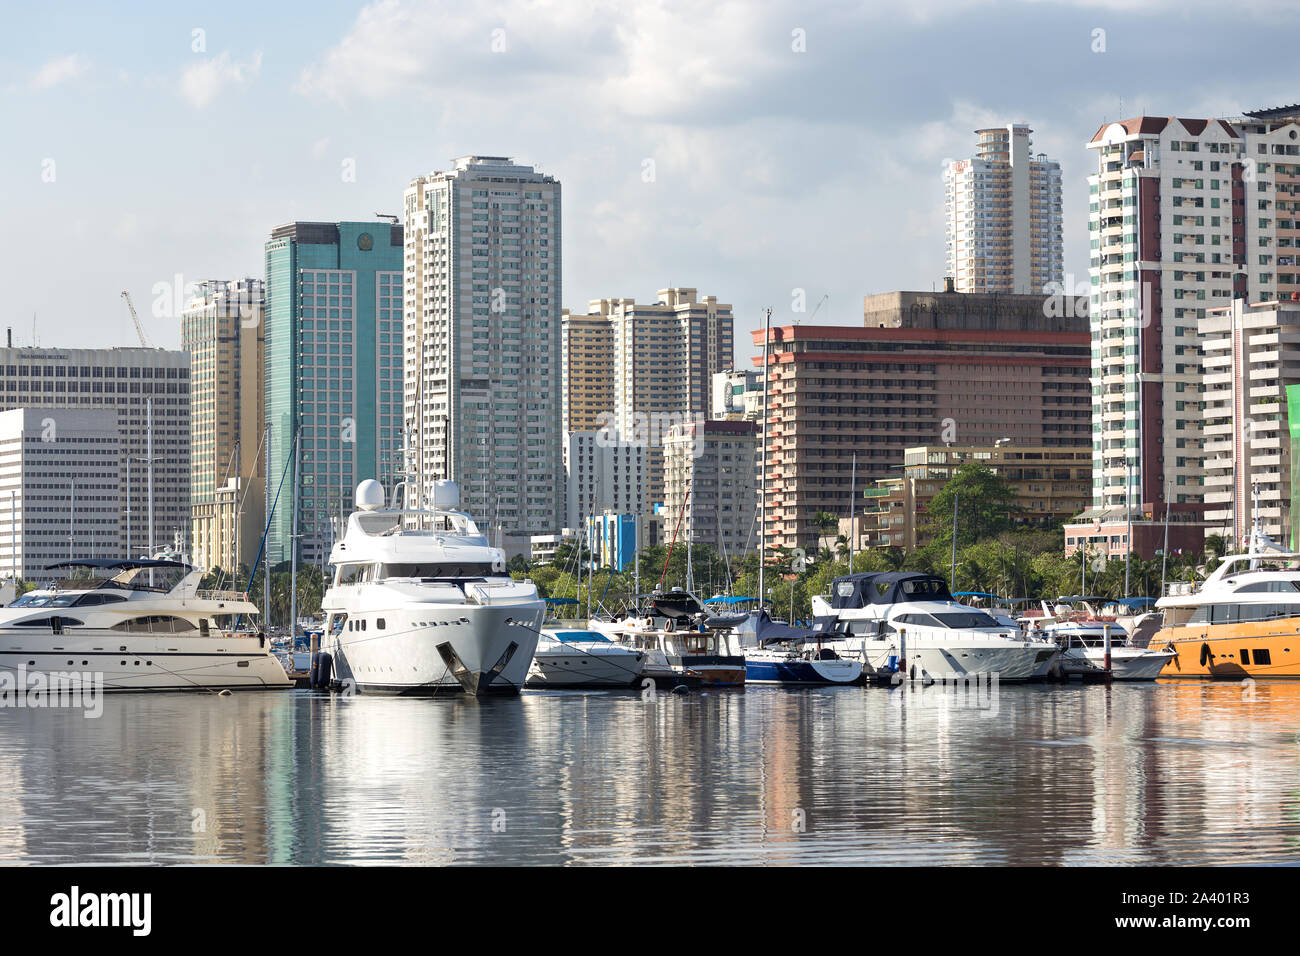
[
  {"x": 222, "y": 330},
  {"x": 483, "y": 389},
  {"x": 333, "y": 368},
  {"x": 1003, "y": 215},
  {"x": 926, "y": 368},
  {"x": 131, "y": 382}
]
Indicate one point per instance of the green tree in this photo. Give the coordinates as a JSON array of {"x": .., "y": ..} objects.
[{"x": 985, "y": 506}]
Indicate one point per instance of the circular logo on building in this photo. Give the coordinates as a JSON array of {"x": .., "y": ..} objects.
[{"x": 365, "y": 242}]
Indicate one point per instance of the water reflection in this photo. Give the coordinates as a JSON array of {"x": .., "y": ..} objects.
[{"x": 1172, "y": 773}]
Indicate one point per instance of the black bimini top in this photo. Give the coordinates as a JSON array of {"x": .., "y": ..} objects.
[
  {"x": 117, "y": 564},
  {"x": 887, "y": 587}
]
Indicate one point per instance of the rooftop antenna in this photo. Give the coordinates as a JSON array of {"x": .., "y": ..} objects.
[{"x": 820, "y": 302}]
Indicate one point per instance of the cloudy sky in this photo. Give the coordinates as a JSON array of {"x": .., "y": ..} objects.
[{"x": 748, "y": 149}]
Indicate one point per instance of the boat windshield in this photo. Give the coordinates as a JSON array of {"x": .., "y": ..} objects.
[
  {"x": 146, "y": 579},
  {"x": 966, "y": 619},
  {"x": 437, "y": 569},
  {"x": 35, "y": 599},
  {"x": 573, "y": 637}
]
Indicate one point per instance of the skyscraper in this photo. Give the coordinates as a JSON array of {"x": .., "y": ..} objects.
[
  {"x": 1003, "y": 213},
  {"x": 333, "y": 369},
  {"x": 223, "y": 332},
  {"x": 1185, "y": 216},
  {"x": 482, "y": 336}
]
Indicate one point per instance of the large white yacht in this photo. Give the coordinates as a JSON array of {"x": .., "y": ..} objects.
[
  {"x": 864, "y": 614},
  {"x": 145, "y": 627},
  {"x": 421, "y": 604}
]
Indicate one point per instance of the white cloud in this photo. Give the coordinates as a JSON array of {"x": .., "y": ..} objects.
[
  {"x": 60, "y": 70},
  {"x": 204, "y": 81}
]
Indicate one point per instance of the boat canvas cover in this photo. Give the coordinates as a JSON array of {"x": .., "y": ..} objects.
[
  {"x": 888, "y": 587},
  {"x": 758, "y": 629},
  {"x": 676, "y": 607}
]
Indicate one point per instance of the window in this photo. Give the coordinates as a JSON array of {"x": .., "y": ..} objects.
[
  {"x": 155, "y": 624},
  {"x": 468, "y": 569}
]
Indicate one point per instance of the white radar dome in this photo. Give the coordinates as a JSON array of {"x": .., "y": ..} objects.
[
  {"x": 370, "y": 495},
  {"x": 446, "y": 494}
]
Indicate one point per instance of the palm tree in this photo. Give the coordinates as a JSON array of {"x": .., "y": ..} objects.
[{"x": 824, "y": 521}]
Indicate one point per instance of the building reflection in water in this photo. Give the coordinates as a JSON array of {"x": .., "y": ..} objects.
[{"x": 1173, "y": 773}]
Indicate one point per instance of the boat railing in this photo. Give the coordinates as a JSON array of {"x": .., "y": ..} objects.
[
  {"x": 221, "y": 595},
  {"x": 1180, "y": 588}
]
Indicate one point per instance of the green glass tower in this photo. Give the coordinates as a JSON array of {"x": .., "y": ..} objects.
[{"x": 333, "y": 369}]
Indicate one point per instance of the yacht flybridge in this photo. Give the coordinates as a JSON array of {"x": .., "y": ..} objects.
[
  {"x": 421, "y": 604},
  {"x": 146, "y": 626}
]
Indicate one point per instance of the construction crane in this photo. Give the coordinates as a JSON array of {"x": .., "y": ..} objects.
[{"x": 139, "y": 329}]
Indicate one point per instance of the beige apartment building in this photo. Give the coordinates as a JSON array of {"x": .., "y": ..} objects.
[
  {"x": 223, "y": 331},
  {"x": 1251, "y": 355},
  {"x": 1050, "y": 484},
  {"x": 1003, "y": 215},
  {"x": 586, "y": 362},
  {"x": 663, "y": 360}
]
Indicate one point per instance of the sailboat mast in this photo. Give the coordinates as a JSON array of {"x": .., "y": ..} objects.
[
  {"x": 266, "y": 570},
  {"x": 690, "y": 528},
  {"x": 762, "y": 471},
  {"x": 853, "y": 508},
  {"x": 293, "y": 545},
  {"x": 239, "y": 511}
]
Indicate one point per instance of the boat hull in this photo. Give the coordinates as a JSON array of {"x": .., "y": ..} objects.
[
  {"x": 1010, "y": 660},
  {"x": 710, "y": 670},
  {"x": 429, "y": 649},
  {"x": 582, "y": 665},
  {"x": 1255, "y": 649},
  {"x": 794, "y": 671},
  {"x": 1125, "y": 664},
  {"x": 116, "y": 661}
]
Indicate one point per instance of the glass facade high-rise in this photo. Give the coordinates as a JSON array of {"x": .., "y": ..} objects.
[{"x": 333, "y": 369}]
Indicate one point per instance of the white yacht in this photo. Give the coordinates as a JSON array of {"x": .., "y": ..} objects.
[
  {"x": 942, "y": 639},
  {"x": 584, "y": 658},
  {"x": 421, "y": 604},
  {"x": 1081, "y": 635},
  {"x": 683, "y": 643},
  {"x": 145, "y": 627}
]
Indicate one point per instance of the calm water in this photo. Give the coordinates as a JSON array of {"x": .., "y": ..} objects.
[{"x": 1172, "y": 773}]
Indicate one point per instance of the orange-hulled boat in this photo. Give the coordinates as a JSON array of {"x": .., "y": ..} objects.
[{"x": 1244, "y": 621}]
